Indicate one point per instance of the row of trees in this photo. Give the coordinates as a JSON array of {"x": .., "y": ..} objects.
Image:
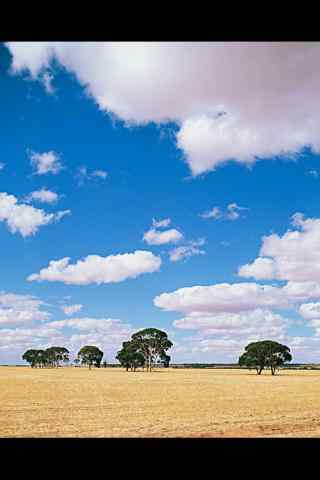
[
  {"x": 146, "y": 348},
  {"x": 54, "y": 356},
  {"x": 149, "y": 346},
  {"x": 51, "y": 357}
]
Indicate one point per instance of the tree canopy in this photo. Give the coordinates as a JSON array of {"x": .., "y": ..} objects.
[
  {"x": 51, "y": 357},
  {"x": 265, "y": 354},
  {"x": 152, "y": 343},
  {"x": 90, "y": 355},
  {"x": 130, "y": 356}
]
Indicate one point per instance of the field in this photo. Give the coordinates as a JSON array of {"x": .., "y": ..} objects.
[{"x": 76, "y": 402}]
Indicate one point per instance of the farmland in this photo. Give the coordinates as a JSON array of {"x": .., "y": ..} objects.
[{"x": 110, "y": 402}]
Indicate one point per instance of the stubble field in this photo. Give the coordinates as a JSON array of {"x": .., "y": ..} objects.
[{"x": 76, "y": 402}]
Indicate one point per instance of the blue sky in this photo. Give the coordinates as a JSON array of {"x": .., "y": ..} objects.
[{"x": 154, "y": 163}]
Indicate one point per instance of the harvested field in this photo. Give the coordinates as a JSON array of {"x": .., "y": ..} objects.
[{"x": 76, "y": 402}]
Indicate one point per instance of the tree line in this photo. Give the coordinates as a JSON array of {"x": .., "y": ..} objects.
[
  {"x": 146, "y": 347},
  {"x": 53, "y": 357},
  {"x": 149, "y": 346}
]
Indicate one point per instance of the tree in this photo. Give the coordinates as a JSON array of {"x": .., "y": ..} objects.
[
  {"x": 265, "y": 354},
  {"x": 31, "y": 356},
  {"x": 55, "y": 355},
  {"x": 90, "y": 355},
  {"x": 129, "y": 356},
  {"x": 165, "y": 360},
  {"x": 152, "y": 343}
]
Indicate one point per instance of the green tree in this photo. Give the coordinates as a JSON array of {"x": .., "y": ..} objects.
[
  {"x": 129, "y": 356},
  {"x": 42, "y": 358},
  {"x": 265, "y": 354},
  {"x": 90, "y": 355},
  {"x": 152, "y": 343},
  {"x": 165, "y": 360},
  {"x": 31, "y": 356},
  {"x": 55, "y": 355}
]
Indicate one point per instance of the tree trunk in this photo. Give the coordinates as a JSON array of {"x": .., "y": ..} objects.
[{"x": 260, "y": 370}]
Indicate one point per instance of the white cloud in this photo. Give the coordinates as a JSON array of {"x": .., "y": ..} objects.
[
  {"x": 96, "y": 269},
  {"x": 156, "y": 237},
  {"x": 236, "y": 297},
  {"x": 185, "y": 251},
  {"x": 231, "y": 101},
  {"x": 17, "y": 340},
  {"x": 43, "y": 195},
  {"x": 223, "y": 297},
  {"x": 47, "y": 79},
  {"x": 161, "y": 223},
  {"x": 94, "y": 325},
  {"x": 46, "y": 162},
  {"x": 100, "y": 174},
  {"x": 2, "y": 165},
  {"x": 258, "y": 322},
  {"x": 215, "y": 213},
  {"x": 23, "y": 218},
  {"x": 106, "y": 333},
  {"x": 16, "y": 309},
  {"x": 231, "y": 213},
  {"x": 71, "y": 309},
  {"x": 294, "y": 256},
  {"x": 84, "y": 174},
  {"x": 311, "y": 313},
  {"x": 301, "y": 291},
  {"x": 261, "y": 269}
]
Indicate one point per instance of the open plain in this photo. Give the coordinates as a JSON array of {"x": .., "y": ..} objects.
[{"x": 76, "y": 402}]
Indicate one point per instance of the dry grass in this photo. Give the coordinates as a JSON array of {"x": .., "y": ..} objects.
[{"x": 75, "y": 402}]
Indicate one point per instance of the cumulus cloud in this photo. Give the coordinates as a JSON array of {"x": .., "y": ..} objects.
[
  {"x": 71, "y": 309},
  {"x": 17, "y": 340},
  {"x": 17, "y": 309},
  {"x": 293, "y": 256},
  {"x": 94, "y": 325},
  {"x": 261, "y": 269},
  {"x": 23, "y": 218},
  {"x": 311, "y": 313},
  {"x": 46, "y": 162},
  {"x": 43, "y": 196},
  {"x": 261, "y": 322},
  {"x": 97, "y": 269},
  {"x": 231, "y": 101},
  {"x": 189, "y": 250},
  {"x": 106, "y": 333},
  {"x": 161, "y": 237},
  {"x": 223, "y": 297}
]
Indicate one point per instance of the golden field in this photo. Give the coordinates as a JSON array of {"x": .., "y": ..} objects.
[{"x": 76, "y": 402}]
